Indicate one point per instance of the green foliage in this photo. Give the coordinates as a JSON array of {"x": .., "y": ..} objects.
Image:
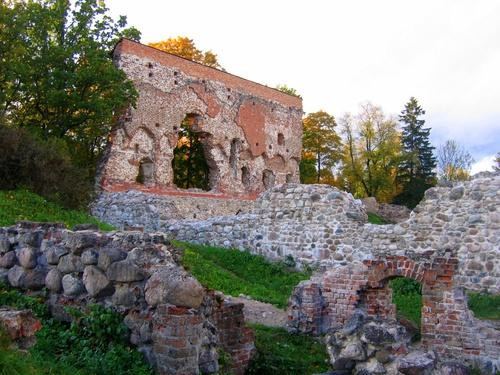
[
  {"x": 57, "y": 78},
  {"x": 375, "y": 219},
  {"x": 189, "y": 164},
  {"x": 407, "y": 296},
  {"x": 17, "y": 205},
  {"x": 95, "y": 342},
  {"x": 280, "y": 352},
  {"x": 288, "y": 90},
  {"x": 44, "y": 167},
  {"x": 416, "y": 167},
  {"x": 307, "y": 168},
  {"x": 237, "y": 272},
  {"x": 320, "y": 142},
  {"x": 370, "y": 153},
  {"x": 13, "y": 362},
  {"x": 14, "y": 298},
  {"x": 484, "y": 306}
]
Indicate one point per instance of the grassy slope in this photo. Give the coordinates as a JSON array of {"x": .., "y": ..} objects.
[
  {"x": 485, "y": 306},
  {"x": 280, "y": 352},
  {"x": 17, "y": 205},
  {"x": 375, "y": 219},
  {"x": 237, "y": 272}
]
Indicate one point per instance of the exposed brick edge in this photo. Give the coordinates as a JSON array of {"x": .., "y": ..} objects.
[
  {"x": 116, "y": 188},
  {"x": 194, "y": 69}
]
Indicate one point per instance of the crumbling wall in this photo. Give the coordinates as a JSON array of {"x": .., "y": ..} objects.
[
  {"x": 153, "y": 212},
  {"x": 322, "y": 226},
  {"x": 249, "y": 131},
  {"x": 174, "y": 321}
]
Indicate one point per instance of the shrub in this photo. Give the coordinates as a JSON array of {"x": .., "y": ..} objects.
[
  {"x": 95, "y": 342},
  {"x": 43, "y": 167}
]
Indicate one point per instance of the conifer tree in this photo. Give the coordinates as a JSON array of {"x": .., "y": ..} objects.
[{"x": 417, "y": 166}]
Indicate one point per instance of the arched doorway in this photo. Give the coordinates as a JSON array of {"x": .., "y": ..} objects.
[{"x": 189, "y": 164}]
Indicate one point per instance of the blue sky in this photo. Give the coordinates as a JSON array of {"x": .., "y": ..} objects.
[{"x": 338, "y": 54}]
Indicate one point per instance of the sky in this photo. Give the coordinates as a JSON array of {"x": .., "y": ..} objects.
[{"x": 339, "y": 54}]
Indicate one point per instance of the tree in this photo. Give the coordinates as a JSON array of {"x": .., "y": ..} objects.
[
  {"x": 189, "y": 164},
  {"x": 185, "y": 47},
  {"x": 320, "y": 142},
  {"x": 496, "y": 167},
  {"x": 288, "y": 90},
  {"x": 454, "y": 161},
  {"x": 370, "y": 153},
  {"x": 58, "y": 75},
  {"x": 416, "y": 168}
]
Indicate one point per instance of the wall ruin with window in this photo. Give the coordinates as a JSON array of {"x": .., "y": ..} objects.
[{"x": 251, "y": 133}]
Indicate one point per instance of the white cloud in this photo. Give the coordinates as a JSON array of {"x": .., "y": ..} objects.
[{"x": 485, "y": 164}]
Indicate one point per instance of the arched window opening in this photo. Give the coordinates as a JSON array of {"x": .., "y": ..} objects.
[
  {"x": 268, "y": 178},
  {"x": 146, "y": 172},
  {"x": 281, "y": 139},
  {"x": 289, "y": 178},
  {"x": 245, "y": 177},
  {"x": 189, "y": 164}
]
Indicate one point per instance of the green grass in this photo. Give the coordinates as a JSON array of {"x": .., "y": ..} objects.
[
  {"x": 18, "y": 205},
  {"x": 484, "y": 306},
  {"x": 280, "y": 352},
  {"x": 14, "y": 362},
  {"x": 375, "y": 219},
  {"x": 407, "y": 296},
  {"x": 235, "y": 272}
]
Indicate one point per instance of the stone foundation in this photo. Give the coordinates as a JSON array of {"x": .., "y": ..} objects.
[{"x": 173, "y": 320}]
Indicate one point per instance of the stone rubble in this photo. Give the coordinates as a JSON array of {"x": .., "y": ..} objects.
[{"x": 174, "y": 321}]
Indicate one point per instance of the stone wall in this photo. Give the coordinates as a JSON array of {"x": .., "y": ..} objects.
[
  {"x": 392, "y": 212},
  {"x": 174, "y": 321},
  {"x": 135, "y": 208},
  {"x": 322, "y": 226},
  {"x": 251, "y": 133},
  {"x": 448, "y": 327}
]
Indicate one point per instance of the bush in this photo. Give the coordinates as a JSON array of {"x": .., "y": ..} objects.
[
  {"x": 43, "y": 167},
  {"x": 95, "y": 342}
]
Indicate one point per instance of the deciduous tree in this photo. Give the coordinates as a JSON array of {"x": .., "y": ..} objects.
[
  {"x": 454, "y": 161},
  {"x": 370, "y": 153},
  {"x": 320, "y": 142},
  {"x": 185, "y": 47},
  {"x": 57, "y": 77}
]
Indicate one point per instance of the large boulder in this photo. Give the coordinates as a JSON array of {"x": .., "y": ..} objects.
[
  {"x": 20, "y": 326},
  {"x": 417, "y": 363},
  {"x": 8, "y": 260},
  {"x": 173, "y": 286},
  {"x": 72, "y": 286},
  {"x": 124, "y": 272},
  {"x": 70, "y": 263},
  {"x": 95, "y": 281}
]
